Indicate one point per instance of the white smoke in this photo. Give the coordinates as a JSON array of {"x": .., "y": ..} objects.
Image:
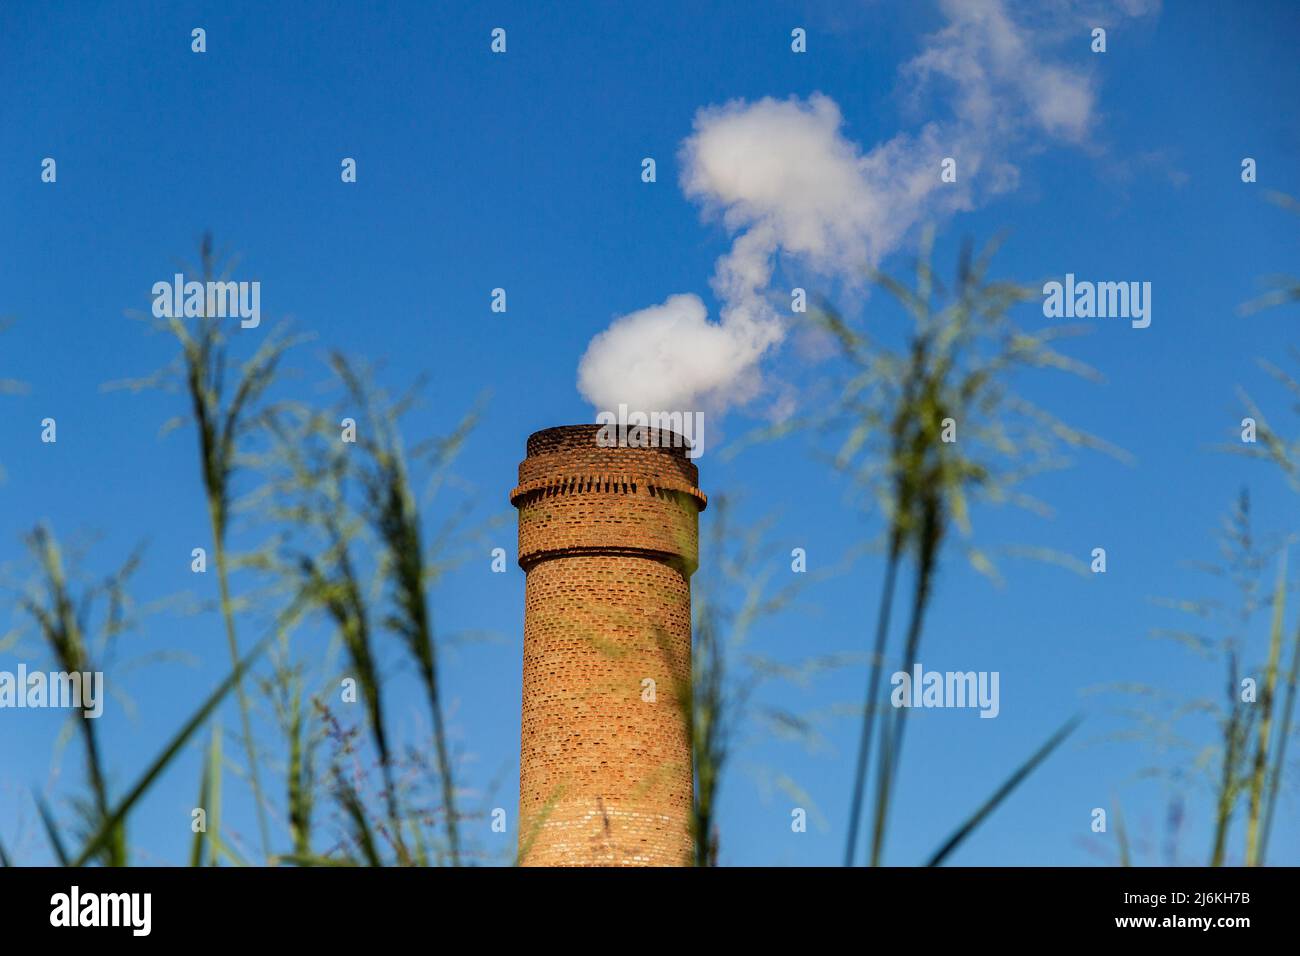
[{"x": 783, "y": 178}]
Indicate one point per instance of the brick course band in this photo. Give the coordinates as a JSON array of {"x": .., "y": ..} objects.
[{"x": 608, "y": 538}]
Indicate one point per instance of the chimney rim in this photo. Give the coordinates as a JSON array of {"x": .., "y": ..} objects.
[{"x": 559, "y": 438}]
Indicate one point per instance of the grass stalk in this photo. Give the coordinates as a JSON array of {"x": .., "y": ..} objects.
[
  {"x": 241, "y": 694},
  {"x": 1227, "y": 791},
  {"x": 222, "y": 419},
  {"x": 59, "y": 616},
  {"x": 117, "y": 815},
  {"x": 892, "y": 729},
  {"x": 394, "y": 515},
  {"x": 1121, "y": 837},
  {"x": 1004, "y": 791},
  {"x": 928, "y": 426},
  {"x": 1265, "y": 724},
  {"x": 872, "y": 694},
  {"x": 1279, "y": 760},
  {"x": 210, "y": 802}
]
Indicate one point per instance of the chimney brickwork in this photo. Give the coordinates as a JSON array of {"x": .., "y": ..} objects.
[{"x": 608, "y": 538}]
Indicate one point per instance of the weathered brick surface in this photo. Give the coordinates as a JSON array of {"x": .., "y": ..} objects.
[{"x": 608, "y": 538}]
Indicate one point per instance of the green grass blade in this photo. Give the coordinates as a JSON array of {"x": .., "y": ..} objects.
[
  {"x": 160, "y": 763},
  {"x": 214, "y": 798},
  {"x": 1259, "y": 769},
  {"x": 1121, "y": 835},
  {"x": 538, "y": 822},
  {"x": 209, "y": 799},
  {"x": 52, "y": 830},
  {"x": 196, "y": 847},
  {"x": 1284, "y": 733},
  {"x": 360, "y": 825},
  {"x": 220, "y": 848},
  {"x": 299, "y": 786},
  {"x": 1004, "y": 791}
]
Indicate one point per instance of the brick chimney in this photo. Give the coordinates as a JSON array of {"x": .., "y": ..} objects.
[{"x": 608, "y": 538}]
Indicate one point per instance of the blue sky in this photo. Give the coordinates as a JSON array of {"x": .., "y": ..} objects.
[{"x": 522, "y": 171}]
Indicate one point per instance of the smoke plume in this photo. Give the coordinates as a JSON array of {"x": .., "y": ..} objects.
[{"x": 783, "y": 178}]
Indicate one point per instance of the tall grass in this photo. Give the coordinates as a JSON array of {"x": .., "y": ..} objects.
[
  {"x": 1274, "y": 781},
  {"x": 63, "y": 619},
  {"x": 224, "y": 415},
  {"x": 207, "y": 840},
  {"x": 1266, "y": 778},
  {"x": 96, "y": 843},
  {"x": 311, "y": 496},
  {"x": 348, "y": 541},
  {"x": 953, "y": 371},
  {"x": 1259, "y": 769},
  {"x": 392, "y": 511},
  {"x": 732, "y": 593},
  {"x": 1246, "y": 763},
  {"x": 286, "y": 687}
]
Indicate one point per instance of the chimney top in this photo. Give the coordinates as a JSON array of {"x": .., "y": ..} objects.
[{"x": 563, "y": 438}]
